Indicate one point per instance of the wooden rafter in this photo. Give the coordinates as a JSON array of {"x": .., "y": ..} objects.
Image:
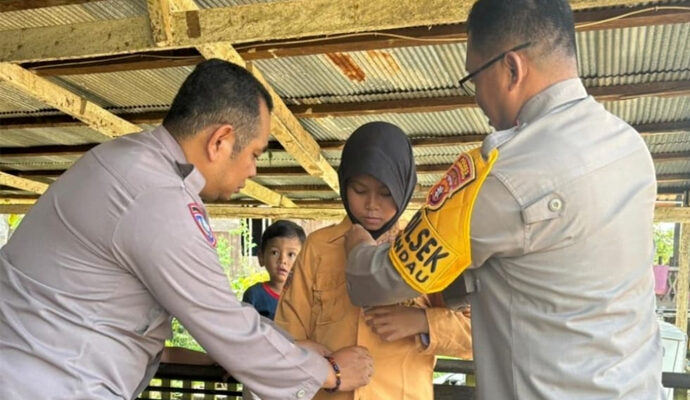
[
  {"x": 241, "y": 24},
  {"x": 22, "y": 183},
  {"x": 9, "y": 153},
  {"x": 327, "y": 211},
  {"x": 672, "y": 214},
  {"x": 377, "y": 40},
  {"x": 604, "y": 93},
  {"x": 285, "y": 127},
  {"x": 97, "y": 118},
  {"x": 20, "y": 5}
]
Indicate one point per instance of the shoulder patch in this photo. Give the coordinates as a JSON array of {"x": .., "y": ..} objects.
[
  {"x": 459, "y": 175},
  {"x": 199, "y": 216}
]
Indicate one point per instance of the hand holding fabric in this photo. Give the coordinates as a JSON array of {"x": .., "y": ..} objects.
[
  {"x": 356, "y": 236},
  {"x": 397, "y": 322},
  {"x": 356, "y": 368}
]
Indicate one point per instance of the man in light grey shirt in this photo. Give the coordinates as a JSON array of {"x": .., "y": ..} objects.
[
  {"x": 121, "y": 242},
  {"x": 561, "y": 230}
]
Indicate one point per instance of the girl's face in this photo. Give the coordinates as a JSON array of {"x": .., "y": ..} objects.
[{"x": 370, "y": 202}]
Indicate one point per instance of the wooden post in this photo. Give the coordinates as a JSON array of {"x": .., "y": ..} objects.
[{"x": 682, "y": 283}]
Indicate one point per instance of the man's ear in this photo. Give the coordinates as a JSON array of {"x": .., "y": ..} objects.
[
  {"x": 517, "y": 68},
  {"x": 220, "y": 142}
]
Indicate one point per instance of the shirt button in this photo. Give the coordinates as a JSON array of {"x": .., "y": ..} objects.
[
  {"x": 555, "y": 204},
  {"x": 301, "y": 393}
]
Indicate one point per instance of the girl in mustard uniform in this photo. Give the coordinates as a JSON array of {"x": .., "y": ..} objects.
[{"x": 377, "y": 179}]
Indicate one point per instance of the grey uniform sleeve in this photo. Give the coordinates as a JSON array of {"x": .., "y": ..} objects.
[
  {"x": 496, "y": 228},
  {"x": 159, "y": 241},
  {"x": 372, "y": 280}
]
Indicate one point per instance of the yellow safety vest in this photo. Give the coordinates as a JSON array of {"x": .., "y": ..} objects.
[{"x": 434, "y": 248}]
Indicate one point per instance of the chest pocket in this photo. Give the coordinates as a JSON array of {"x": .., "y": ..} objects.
[
  {"x": 331, "y": 301},
  {"x": 331, "y": 305}
]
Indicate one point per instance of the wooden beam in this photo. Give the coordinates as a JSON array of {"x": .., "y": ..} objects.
[
  {"x": 266, "y": 195},
  {"x": 241, "y": 24},
  {"x": 20, "y": 5},
  {"x": 671, "y": 191},
  {"x": 22, "y": 183},
  {"x": 64, "y": 100},
  {"x": 675, "y": 156},
  {"x": 289, "y": 172},
  {"x": 94, "y": 116},
  {"x": 227, "y": 210},
  {"x": 160, "y": 16},
  {"x": 619, "y": 92},
  {"x": 66, "y": 121},
  {"x": 604, "y": 93},
  {"x": 673, "y": 177},
  {"x": 375, "y": 40},
  {"x": 217, "y": 25},
  {"x": 585, "y": 20},
  {"x": 284, "y": 126},
  {"x": 672, "y": 214},
  {"x": 683, "y": 279},
  {"x": 625, "y": 92}
]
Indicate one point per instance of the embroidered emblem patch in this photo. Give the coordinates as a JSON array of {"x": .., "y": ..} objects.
[
  {"x": 199, "y": 216},
  {"x": 459, "y": 174}
]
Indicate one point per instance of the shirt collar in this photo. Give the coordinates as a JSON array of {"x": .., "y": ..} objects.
[
  {"x": 193, "y": 179},
  {"x": 339, "y": 230},
  {"x": 542, "y": 103},
  {"x": 553, "y": 96}
]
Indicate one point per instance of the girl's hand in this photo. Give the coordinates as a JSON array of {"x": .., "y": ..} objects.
[{"x": 396, "y": 322}]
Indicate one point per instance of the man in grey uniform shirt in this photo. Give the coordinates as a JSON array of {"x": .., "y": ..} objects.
[
  {"x": 559, "y": 240},
  {"x": 121, "y": 242}
]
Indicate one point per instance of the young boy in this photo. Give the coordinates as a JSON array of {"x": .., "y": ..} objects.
[{"x": 280, "y": 244}]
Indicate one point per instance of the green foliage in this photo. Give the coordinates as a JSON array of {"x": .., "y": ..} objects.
[
  {"x": 238, "y": 284},
  {"x": 13, "y": 220},
  {"x": 182, "y": 338},
  {"x": 663, "y": 242}
]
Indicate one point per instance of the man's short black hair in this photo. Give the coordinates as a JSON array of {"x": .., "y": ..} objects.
[
  {"x": 217, "y": 92},
  {"x": 282, "y": 229},
  {"x": 496, "y": 25}
]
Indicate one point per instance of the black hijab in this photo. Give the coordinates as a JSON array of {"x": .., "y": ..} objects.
[{"x": 383, "y": 151}]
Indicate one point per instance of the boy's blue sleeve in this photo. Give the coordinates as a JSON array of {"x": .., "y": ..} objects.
[{"x": 248, "y": 296}]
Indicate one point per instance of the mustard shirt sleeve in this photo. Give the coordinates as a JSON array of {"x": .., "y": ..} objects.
[
  {"x": 450, "y": 333},
  {"x": 294, "y": 310}
]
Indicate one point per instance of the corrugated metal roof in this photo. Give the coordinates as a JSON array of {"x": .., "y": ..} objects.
[
  {"x": 39, "y": 163},
  {"x": 15, "y": 101},
  {"x": 668, "y": 142},
  {"x": 672, "y": 167},
  {"x": 646, "y": 110},
  {"x": 388, "y": 73},
  {"x": 227, "y": 3},
  {"x": 634, "y": 55},
  {"x": 71, "y": 14},
  {"x": 606, "y": 57},
  {"x": 154, "y": 88},
  {"x": 47, "y": 136},
  {"x": 293, "y": 180},
  {"x": 455, "y": 122}
]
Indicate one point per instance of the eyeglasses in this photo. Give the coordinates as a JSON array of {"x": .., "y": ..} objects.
[{"x": 466, "y": 84}]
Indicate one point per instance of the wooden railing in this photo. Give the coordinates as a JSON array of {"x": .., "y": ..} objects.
[{"x": 193, "y": 382}]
